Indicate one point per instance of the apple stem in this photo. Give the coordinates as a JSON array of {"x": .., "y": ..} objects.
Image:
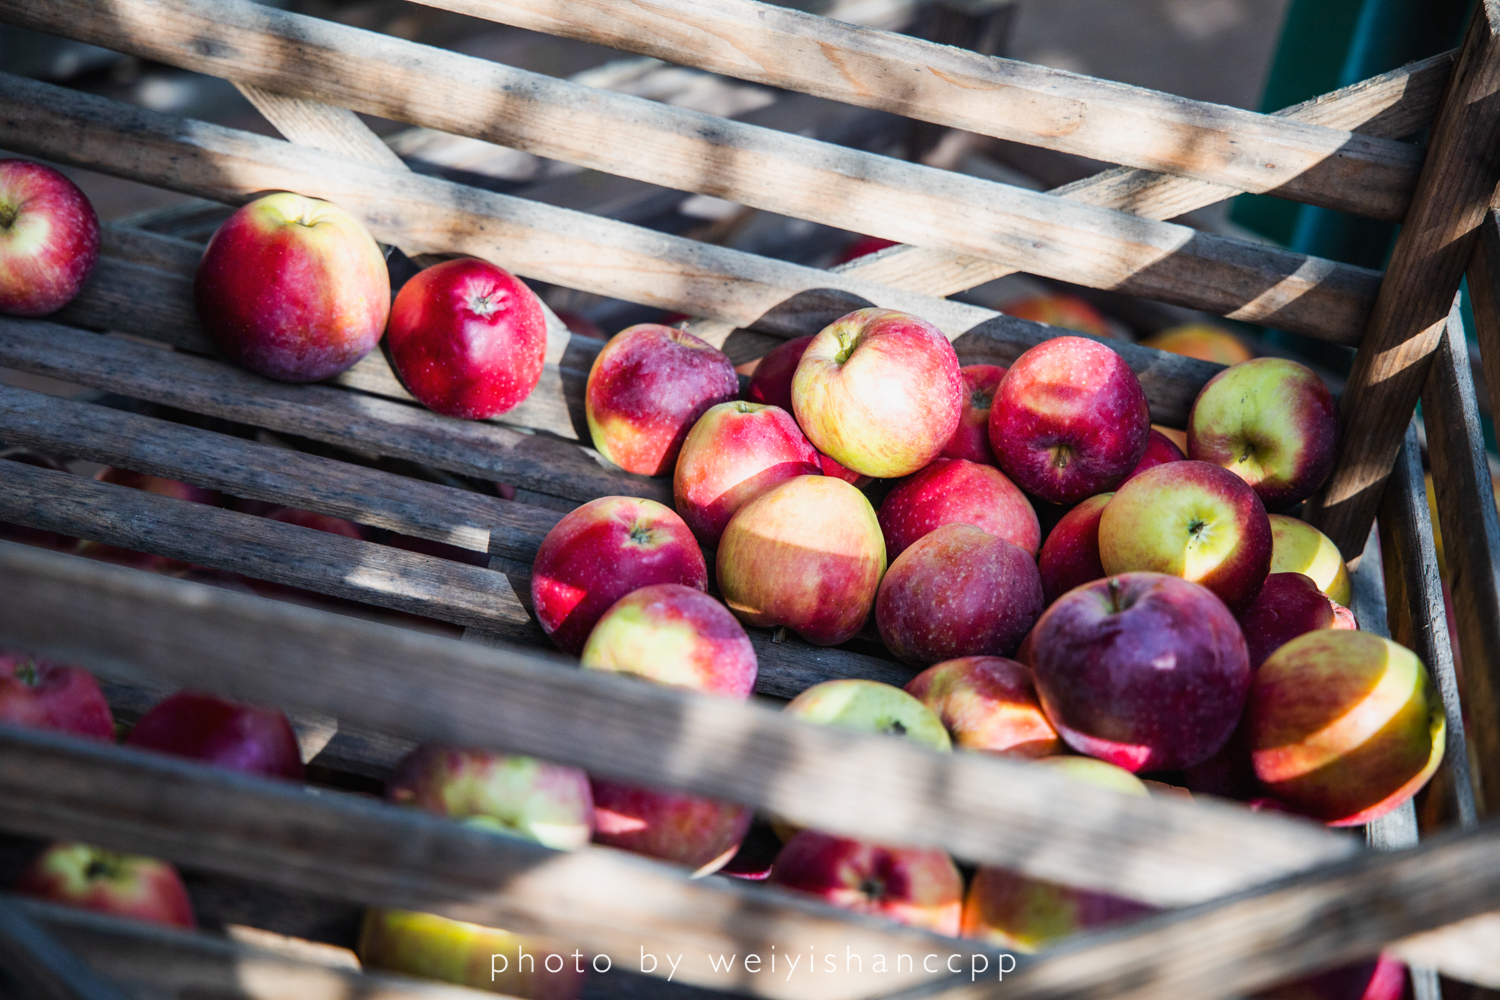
[
  {"x": 8, "y": 215},
  {"x": 26, "y": 672},
  {"x": 779, "y": 635}
]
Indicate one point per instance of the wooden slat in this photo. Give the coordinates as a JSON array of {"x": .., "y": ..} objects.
[
  {"x": 1472, "y": 544},
  {"x": 40, "y": 967},
  {"x": 757, "y": 167},
  {"x": 1433, "y": 248},
  {"x": 1004, "y": 98}
]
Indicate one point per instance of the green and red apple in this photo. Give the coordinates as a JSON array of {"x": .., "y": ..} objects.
[
  {"x": 870, "y": 707},
  {"x": 49, "y": 239},
  {"x": 917, "y": 886},
  {"x": 109, "y": 882},
  {"x": 481, "y": 958},
  {"x": 1298, "y": 547}
]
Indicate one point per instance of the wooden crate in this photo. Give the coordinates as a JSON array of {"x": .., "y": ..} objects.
[{"x": 1252, "y": 899}]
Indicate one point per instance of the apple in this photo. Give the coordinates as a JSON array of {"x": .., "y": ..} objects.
[
  {"x": 467, "y": 338},
  {"x": 1270, "y": 421},
  {"x": 1344, "y": 726},
  {"x": 1203, "y": 341},
  {"x": 45, "y": 695},
  {"x": 918, "y": 886},
  {"x": 1194, "y": 520},
  {"x": 972, "y": 439},
  {"x": 483, "y": 958},
  {"x": 647, "y": 388},
  {"x": 987, "y": 703},
  {"x": 317, "y": 522},
  {"x": 1012, "y": 910},
  {"x": 734, "y": 453},
  {"x": 1143, "y": 670},
  {"x": 958, "y": 491},
  {"x": 772, "y": 382},
  {"x": 1229, "y": 773},
  {"x": 879, "y": 392},
  {"x": 959, "y": 591},
  {"x": 1069, "y": 420},
  {"x": 674, "y": 635},
  {"x": 521, "y": 796},
  {"x": 1298, "y": 547},
  {"x": 1070, "y": 555},
  {"x": 861, "y": 247},
  {"x": 870, "y": 707},
  {"x": 602, "y": 551},
  {"x": 49, "y": 239},
  {"x": 238, "y": 737},
  {"x": 1382, "y": 978},
  {"x": 173, "y": 488},
  {"x": 1289, "y": 605},
  {"x": 121, "y": 885},
  {"x": 1066, "y": 311},
  {"x": 808, "y": 555},
  {"x": 837, "y": 471},
  {"x": 698, "y": 833},
  {"x": 293, "y": 288},
  {"x": 1159, "y": 451}
]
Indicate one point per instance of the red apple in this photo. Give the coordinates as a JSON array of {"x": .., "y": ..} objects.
[
  {"x": 1344, "y": 726},
  {"x": 1193, "y": 520},
  {"x": 807, "y": 554},
  {"x": 483, "y": 958},
  {"x": 987, "y": 703},
  {"x": 228, "y": 734},
  {"x": 1066, "y": 311},
  {"x": 861, "y": 247},
  {"x": 1298, "y": 547},
  {"x": 293, "y": 288},
  {"x": 1383, "y": 978},
  {"x": 602, "y": 551},
  {"x": 521, "y": 796},
  {"x": 674, "y": 635},
  {"x": 919, "y": 886},
  {"x": 317, "y": 522},
  {"x": 1270, "y": 421},
  {"x": 173, "y": 488},
  {"x": 772, "y": 382},
  {"x": 1069, "y": 420},
  {"x": 879, "y": 392},
  {"x": 972, "y": 439},
  {"x": 46, "y": 695},
  {"x": 1289, "y": 605},
  {"x": 647, "y": 388},
  {"x": 734, "y": 453},
  {"x": 1144, "y": 670},
  {"x": 958, "y": 591},
  {"x": 1159, "y": 451},
  {"x": 467, "y": 338},
  {"x": 1070, "y": 555},
  {"x": 698, "y": 833},
  {"x": 49, "y": 239},
  {"x": 957, "y": 491},
  {"x": 121, "y": 885}
]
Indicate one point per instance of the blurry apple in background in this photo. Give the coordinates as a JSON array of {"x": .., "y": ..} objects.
[
  {"x": 161, "y": 487},
  {"x": 807, "y": 554},
  {"x": 1270, "y": 421},
  {"x": 109, "y": 882},
  {"x": 972, "y": 439},
  {"x": 772, "y": 382},
  {"x": 734, "y": 453},
  {"x": 1298, "y": 547},
  {"x": 45, "y": 695},
  {"x": 253, "y": 739},
  {"x": 957, "y": 491},
  {"x": 293, "y": 288},
  {"x": 1193, "y": 520},
  {"x": 602, "y": 551},
  {"x": 1066, "y": 311},
  {"x": 1159, "y": 451},
  {"x": 20, "y": 532},
  {"x": 698, "y": 833},
  {"x": 1070, "y": 555},
  {"x": 958, "y": 591},
  {"x": 467, "y": 338},
  {"x": 49, "y": 239},
  {"x": 987, "y": 703},
  {"x": 870, "y": 707},
  {"x": 580, "y": 325},
  {"x": 1203, "y": 341},
  {"x": 521, "y": 796},
  {"x": 1382, "y": 978},
  {"x": 674, "y": 635},
  {"x": 1069, "y": 420},
  {"x": 879, "y": 392},
  {"x": 1143, "y": 670},
  {"x": 918, "y": 886},
  {"x": 1344, "y": 726},
  {"x": 318, "y": 522},
  {"x": 1172, "y": 434},
  {"x": 1289, "y": 605},
  {"x": 454, "y": 951},
  {"x": 647, "y": 388},
  {"x": 861, "y": 247}
]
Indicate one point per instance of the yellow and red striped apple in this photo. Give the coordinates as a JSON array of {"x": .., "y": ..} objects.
[
  {"x": 987, "y": 703},
  {"x": 1289, "y": 605},
  {"x": 1298, "y": 547},
  {"x": 917, "y": 886}
]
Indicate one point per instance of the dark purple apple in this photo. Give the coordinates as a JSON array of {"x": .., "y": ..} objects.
[
  {"x": 1070, "y": 555},
  {"x": 46, "y": 695},
  {"x": 250, "y": 738},
  {"x": 1289, "y": 605}
]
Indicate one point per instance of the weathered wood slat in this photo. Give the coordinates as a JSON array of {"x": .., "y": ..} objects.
[
  {"x": 758, "y": 167},
  {"x": 1004, "y": 98},
  {"x": 40, "y": 966},
  {"x": 1432, "y": 250}
]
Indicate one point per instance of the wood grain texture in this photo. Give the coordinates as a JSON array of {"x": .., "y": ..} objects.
[
  {"x": 40, "y": 967},
  {"x": 1466, "y": 501},
  {"x": 1004, "y": 98},
  {"x": 115, "y": 621},
  {"x": 757, "y": 167},
  {"x": 1432, "y": 250}
]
